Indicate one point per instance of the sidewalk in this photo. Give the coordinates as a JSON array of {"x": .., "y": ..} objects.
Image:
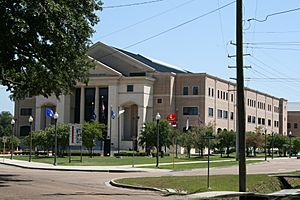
[{"x": 44, "y": 166}]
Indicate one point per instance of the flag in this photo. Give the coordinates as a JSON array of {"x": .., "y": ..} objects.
[
  {"x": 200, "y": 121},
  {"x": 121, "y": 112},
  {"x": 94, "y": 116},
  {"x": 171, "y": 117},
  {"x": 187, "y": 124},
  {"x": 113, "y": 114},
  {"x": 49, "y": 113}
]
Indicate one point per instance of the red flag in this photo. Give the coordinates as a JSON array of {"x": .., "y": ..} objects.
[{"x": 171, "y": 117}]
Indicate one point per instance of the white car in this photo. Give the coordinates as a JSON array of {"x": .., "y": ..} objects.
[{"x": 298, "y": 155}]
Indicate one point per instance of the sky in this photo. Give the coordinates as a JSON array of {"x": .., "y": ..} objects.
[{"x": 198, "y": 36}]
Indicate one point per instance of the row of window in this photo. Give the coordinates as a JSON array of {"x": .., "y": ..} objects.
[
  {"x": 261, "y": 105},
  {"x": 261, "y": 121},
  {"x": 194, "y": 92},
  {"x": 289, "y": 125},
  {"x": 220, "y": 113},
  {"x": 220, "y": 94}
]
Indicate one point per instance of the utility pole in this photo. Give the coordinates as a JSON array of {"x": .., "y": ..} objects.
[{"x": 240, "y": 95}]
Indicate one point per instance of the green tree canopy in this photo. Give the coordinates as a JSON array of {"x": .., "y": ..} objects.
[
  {"x": 226, "y": 139},
  {"x": 5, "y": 126},
  {"x": 43, "y": 45},
  {"x": 91, "y": 132},
  {"x": 148, "y": 134}
]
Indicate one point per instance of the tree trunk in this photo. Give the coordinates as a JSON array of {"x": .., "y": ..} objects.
[{"x": 228, "y": 152}]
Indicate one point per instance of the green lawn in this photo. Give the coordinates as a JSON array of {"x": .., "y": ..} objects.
[
  {"x": 109, "y": 161},
  {"x": 261, "y": 183},
  {"x": 202, "y": 165}
]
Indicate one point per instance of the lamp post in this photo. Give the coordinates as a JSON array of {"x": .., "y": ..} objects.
[
  {"x": 157, "y": 117},
  {"x": 290, "y": 148},
  {"x": 12, "y": 122},
  {"x": 272, "y": 145},
  {"x": 55, "y": 145},
  {"x": 265, "y": 144},
  {"x": 30, "y": 120}
]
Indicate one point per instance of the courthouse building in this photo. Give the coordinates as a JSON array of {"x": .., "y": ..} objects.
[{"x": 142, "y": 87}]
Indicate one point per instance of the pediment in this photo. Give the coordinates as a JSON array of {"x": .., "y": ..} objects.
[{"x": 101, "y": 69}]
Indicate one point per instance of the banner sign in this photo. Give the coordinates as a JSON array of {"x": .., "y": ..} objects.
[{"x": 75, "y": 138}]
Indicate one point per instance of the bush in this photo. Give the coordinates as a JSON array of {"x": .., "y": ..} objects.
[{"x": 130, "y": 154}]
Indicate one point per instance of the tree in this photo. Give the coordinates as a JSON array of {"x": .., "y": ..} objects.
[
  {"x": 226, "y": 139},
  {"x": 280, "y": 142},
  {"x": 92, "y": 131},
  {"x": 43, "y": 45},
  {"x": 198, "y": 137},
  {"x": 187, "y": 140},
  {"x": 5, "y": 126},
  {"x": 254, "y": 141},
  {"x": 296, "y": 144},
  {"x": 148, "y": 136}
]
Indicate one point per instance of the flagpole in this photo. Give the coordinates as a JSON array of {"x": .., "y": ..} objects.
[
  {"x": 118, "y": 130},
  {"x": 110, "y": 123}
]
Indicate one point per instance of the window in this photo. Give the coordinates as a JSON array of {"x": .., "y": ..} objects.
[
  {"x": 288, "y": 125},
  {"x": 26, "y": 111},
  {"x": 263, "y": 121},
  {"x": 218, "y": 94},
  {"x": 259, "y": 120},
  {"x": 129, "y": 88},
  {"x": 208, "y": 91},
  {"x": 159, "y": 100},
  {"x": 253, "y": 119},
  {"x": 212, "y": 92},
  {"x": 231, "y": 115},
  {"x": 185, "y": 90},
  {"x": 24, "y": 131},
  {"x": 269, "y": 122},
  {"x": 190, "y": 110},
  {"x": 231, "y": 97},
  {"x": 195, "y": 90},
  {"x": 210, "y": 112},
  {"x": 226, "y": 96},
  {"x": 220, "y": 113},
  {"x": 225, "y": 114},
  {"x": 249, "y": 118},
  {"x": 295, "y": 125}
]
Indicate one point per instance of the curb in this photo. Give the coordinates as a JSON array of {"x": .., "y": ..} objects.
[
  {"x": 80, "y": 170},
  {"x": 113, "y": 183}
]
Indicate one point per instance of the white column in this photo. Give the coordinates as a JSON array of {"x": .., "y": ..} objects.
[
  {"x": 97, "y": 102},
  {"x": 113, "y": 100},
  {"x": 82, "y": 102}
]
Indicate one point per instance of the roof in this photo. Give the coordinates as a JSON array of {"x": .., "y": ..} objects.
[{"x": 154, "y": 64}]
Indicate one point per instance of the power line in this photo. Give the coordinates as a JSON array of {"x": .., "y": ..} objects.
[
  {"x": 132, "y": 4},
  {"x": 179, "y": 25},
  {"x": 273, "y": 32},
  {"x": 170, "y": 29},
  {"x": 146, "y": 19},
  {"x": 274, "y": 48},
  {"x": 273, "y": 14}
]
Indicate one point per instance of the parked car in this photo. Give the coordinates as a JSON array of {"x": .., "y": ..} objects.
[{"x": 298, "y": 155}]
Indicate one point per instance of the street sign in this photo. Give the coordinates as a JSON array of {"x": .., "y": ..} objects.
[
  {"x": 75, "y": 138},
  {"x": 4, "y": 139}
]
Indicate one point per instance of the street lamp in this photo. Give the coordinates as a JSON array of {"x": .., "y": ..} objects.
[
  {"x": 30, "y": 120},
  {"x": 272, "y": 145},
  {"x": 157, "y": 117},
  {"x": 265, "y": 144},
  {"x": 12, "y": 122},
  {"x": 290, "y": 148},
  {"x": 55, "y": 148}
]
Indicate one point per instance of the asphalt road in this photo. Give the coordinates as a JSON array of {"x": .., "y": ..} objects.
[{"x": 18, "y": 183}]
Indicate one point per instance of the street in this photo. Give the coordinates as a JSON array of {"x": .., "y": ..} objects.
[{"x": 19, "y": 183}]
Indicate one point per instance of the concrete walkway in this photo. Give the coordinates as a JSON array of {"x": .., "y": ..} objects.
[{"x": 45, "y": 166}]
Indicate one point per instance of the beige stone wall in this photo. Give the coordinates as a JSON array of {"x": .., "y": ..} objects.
[{"x": 23, "y": 120}]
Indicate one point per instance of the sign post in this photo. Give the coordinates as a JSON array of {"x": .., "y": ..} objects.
[
  {"x": 75, "y": 138},
  {"x": 208, "y": 137}
]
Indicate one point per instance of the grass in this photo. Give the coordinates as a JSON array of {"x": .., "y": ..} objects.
[
  {"x": 261, "y": 183},
  {"x": 110, "y": 161},
  {"x": 202, "y": 165}
]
